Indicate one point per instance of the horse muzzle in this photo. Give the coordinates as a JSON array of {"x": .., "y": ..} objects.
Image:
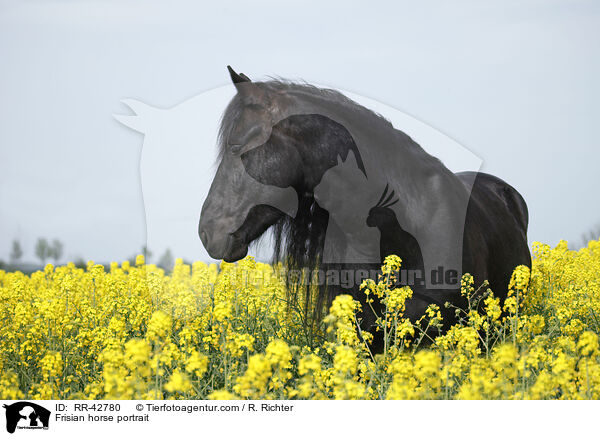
[{"x": 227, "y": 247}]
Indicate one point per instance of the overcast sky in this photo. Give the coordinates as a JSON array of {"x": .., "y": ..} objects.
[{"x": 514, "y": 82}]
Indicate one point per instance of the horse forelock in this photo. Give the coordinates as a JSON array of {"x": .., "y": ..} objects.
[{"x": 228, "y": 119}]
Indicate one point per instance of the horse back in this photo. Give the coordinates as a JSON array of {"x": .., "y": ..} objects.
[{"x": 486, "y": 188}]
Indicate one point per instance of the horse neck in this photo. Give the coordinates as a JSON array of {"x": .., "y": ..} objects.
[
  {"x": 384, "y": 149},
  {"x": 389, "y": 155}
]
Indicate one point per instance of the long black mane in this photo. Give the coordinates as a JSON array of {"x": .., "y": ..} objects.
[{"x": 237, "y": 104}]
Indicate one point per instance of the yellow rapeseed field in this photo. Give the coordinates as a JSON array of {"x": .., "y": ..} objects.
[{"x": 228, "y": 332}]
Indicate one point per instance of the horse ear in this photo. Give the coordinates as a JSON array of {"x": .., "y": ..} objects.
[
  {"x": 237, "y": 78},
  {"x": 351, "y": 159},
  {"x": 339, "y": 160}
]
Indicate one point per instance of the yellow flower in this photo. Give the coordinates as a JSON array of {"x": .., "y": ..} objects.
[
  {"x": 467, "y": 285},
  {"x": 588, "y": 344},
  {"x": 222, "y": 395},
  {"x": 309, "y": 363},
  {"x": 51, "y": 365},
  {"x": 178, "y": 382},
  {"x": 159, "y": 326},
  {"x": 222, "y": 311},
  {"x": 396, "y": 298},
  {"x": 278, "y": 353},
  {"x": 345, "y": 359},
  {"x": 391, "y": 264},
  {"x": 520, "y": 278},
  {"x": 197, "y": 364}
]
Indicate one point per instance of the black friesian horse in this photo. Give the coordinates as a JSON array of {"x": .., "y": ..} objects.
[{"x": 312, "y": 164}]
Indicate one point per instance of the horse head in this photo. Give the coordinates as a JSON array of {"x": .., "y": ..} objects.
[
  {"x": 272, "y": 155},
  {"x": 241, "y": 205}
]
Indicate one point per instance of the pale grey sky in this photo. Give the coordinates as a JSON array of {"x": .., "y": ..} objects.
[{"x": 515, "y": 82}]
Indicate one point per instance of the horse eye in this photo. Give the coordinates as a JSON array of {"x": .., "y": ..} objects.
[{"x": 235, "y": 148}]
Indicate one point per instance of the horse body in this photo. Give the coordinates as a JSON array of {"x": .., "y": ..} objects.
[{"x": 296, "y": 138}]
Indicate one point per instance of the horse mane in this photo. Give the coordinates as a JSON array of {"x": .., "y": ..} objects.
[{"x": 236, "y": 105}]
